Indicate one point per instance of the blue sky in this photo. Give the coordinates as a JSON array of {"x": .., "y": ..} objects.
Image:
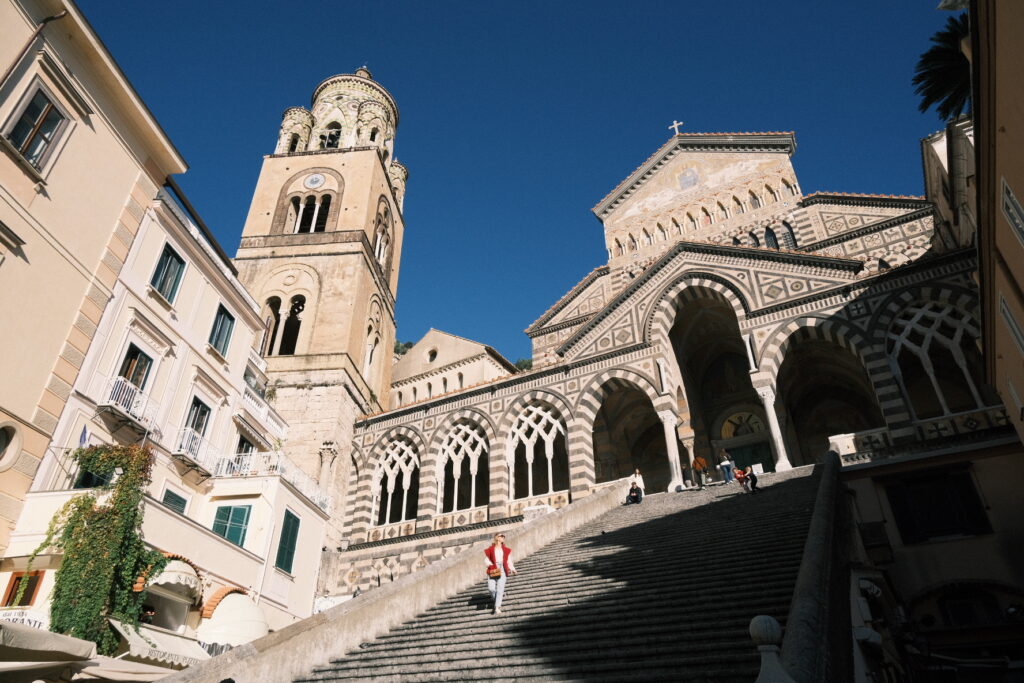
[{"x": 518, "y": 117}]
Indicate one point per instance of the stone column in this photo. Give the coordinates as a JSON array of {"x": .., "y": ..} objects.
[
  {"x": 767, "y": 395},
  {"x": 668, "y": 423},
  {"x": 283, "y": 317},
  {"x": 687, "y": 442}
]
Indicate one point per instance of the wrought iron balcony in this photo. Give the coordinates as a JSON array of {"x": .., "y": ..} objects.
[{"x": 128, "y": 404}]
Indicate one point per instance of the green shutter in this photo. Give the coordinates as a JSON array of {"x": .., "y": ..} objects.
[
  {"x": 289, "y": 538},
  {"x": 174, "y": 501}
]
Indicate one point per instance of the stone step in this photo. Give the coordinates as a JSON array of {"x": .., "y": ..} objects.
[
  {"x": 601, "y": 601},
  {"x": 508, "y": 628},
  {"x": 663, "y": 591},
  {"x": 583, "y": 663}
]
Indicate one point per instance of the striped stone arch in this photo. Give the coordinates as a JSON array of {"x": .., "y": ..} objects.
[
  {"x": 581, "y": 444},
  {"x": 689, "y": 287},
  {"x": 596, "y": 388},
  {"x": 516, "y": 407},
  {"x": 354, "y": 496},
  {"x": 474, "y": 415},
  {"x": 894, "y": 404},
  {"x": 364, "y": 491},
  {"x": 959, "y": 297},
  {"x": 805, "y": 328},
  {"x": 430, "y": 475}
]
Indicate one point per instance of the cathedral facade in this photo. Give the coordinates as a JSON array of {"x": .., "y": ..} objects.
[{"x": 735, "y": 314}]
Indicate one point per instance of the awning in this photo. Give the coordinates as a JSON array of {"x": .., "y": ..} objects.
[
  {"x": 180, "y": 573},
  {"x": 237, "y": 620},
  {"x": 99, "y": 668},
  {"x": 161, "y": 647},
  {"x": 20, "y": 643},
  {"x": 252, "y": 433}
]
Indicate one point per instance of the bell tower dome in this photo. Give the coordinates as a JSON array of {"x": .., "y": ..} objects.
[{"x": 320, "y": 251}]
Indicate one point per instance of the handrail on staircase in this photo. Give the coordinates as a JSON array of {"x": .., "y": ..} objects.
[{"x": 805, "y": 647}]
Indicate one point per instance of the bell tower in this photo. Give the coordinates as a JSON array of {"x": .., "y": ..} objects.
[{"x": 320, "y": 252}]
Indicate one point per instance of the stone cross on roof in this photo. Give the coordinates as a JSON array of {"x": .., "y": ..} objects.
[{"x": 675, "y": 126}]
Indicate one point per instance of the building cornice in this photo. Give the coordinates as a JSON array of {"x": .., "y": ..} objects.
[
  {"x": 928, "y": 210},
  {"x": 566, "y": 299},
  {"x": 898, "y": 201},
  {"x": 776, "y": 142}
]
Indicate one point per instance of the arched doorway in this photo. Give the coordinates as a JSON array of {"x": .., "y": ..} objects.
[
  {"x": 628, "y": 435},
  {"x": 713, "y": 361},
  {"x": 825, "y": 391}
]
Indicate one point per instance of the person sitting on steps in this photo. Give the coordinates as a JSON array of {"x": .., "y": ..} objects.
[
  {"x": 635, "y": 496},
  {"x": 741, "y": 477},
  {"x": 498, "y": 559}
]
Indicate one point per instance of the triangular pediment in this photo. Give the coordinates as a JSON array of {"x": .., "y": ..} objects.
[
  {"x": 437, "y": 349},
  {"x": 755, "y": 279},
  {"x": 691, "y": 165}
]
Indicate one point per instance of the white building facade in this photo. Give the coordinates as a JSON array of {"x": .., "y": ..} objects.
[{"x": 174, "y": 366}]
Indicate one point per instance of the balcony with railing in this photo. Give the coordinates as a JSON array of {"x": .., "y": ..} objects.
[
  {"x": 127, "y": 405},
  {"x": 971, "y": 427},
  {"x": 272, "y": 463},
  {"x": 194, "y": 450},
  {"x": 256, "y": 406}
]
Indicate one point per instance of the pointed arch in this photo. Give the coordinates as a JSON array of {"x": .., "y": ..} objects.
[
  {"x": 683, "y": 288},
  {"x": 755, "y": 200},
  {"x": 770, "y": 240},
  {"x": 737, "y": 205},
  {"x": 691, "y": 222},
  {"x": 723, "y": 213}
]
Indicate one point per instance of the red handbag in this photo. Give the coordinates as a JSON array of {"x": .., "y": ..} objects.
[{"x": 494, "y": 571}]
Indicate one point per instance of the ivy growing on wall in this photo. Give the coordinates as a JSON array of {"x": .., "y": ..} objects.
[{"x": 100, "y": 536}]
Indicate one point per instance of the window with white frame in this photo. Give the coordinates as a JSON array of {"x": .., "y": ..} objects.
[
  {"x": 464, "y": 471},
  {"x": 220, "y": 335},
  {"x": 538, "y": 459},
  {"x": 396, "y": 482},
  {"x": 167, "y": 275},
  {"x": 35, "y": 129}
]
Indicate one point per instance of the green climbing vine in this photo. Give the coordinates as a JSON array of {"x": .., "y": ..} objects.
[{"x": 99, "y": 534}]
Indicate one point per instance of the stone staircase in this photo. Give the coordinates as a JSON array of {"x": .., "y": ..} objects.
[{"x": 663, "y": 591}]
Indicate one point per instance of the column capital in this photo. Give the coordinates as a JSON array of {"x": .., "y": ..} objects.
[
  {"x": 767, "y": 394},
  {"x": 668, "y": 417}
]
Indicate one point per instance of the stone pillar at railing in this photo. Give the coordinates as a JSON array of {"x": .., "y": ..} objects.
[
  {"x": 766, "y": 633},
  {"x": 767, "y": 395},
  {"x": 668, "y": 422}
]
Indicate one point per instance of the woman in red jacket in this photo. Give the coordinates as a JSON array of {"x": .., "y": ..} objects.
[{"x": 498, "y": 558}]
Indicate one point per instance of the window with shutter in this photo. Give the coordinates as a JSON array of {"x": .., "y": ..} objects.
[{"x": 289, "y": 538}]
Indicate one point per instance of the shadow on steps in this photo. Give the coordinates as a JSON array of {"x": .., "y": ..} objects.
[{"x": 659, "y": 591}]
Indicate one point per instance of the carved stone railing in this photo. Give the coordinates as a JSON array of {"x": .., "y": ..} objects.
[
  {"x": 556, "y": 499},
  {"x": 256, "y": 359},
  {"x": 458, "y": 518},
  {"x": 393, "y": 530},
  {"x": 258, "y": 407},
  {"x": 877, "y": 444}
]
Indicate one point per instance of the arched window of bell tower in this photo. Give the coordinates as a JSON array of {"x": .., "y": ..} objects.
[
  {"x": 290, "y": 328},
  {"x": 305, "y": 222},
  {"x": 372, "y": 342},
  {"x": 330, "y": 138},
  {"x": 373, "y": 135},
  {"x": 293, "y": 142},
  {"x": 272, "y": 318},
  {"x": 323, "y": 211}
]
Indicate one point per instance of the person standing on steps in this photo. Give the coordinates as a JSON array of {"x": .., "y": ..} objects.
[
  {"x": 498, "y": 558},
  {"x": 751, "y": 478},
  {"x": 700, "y": 469},
  {"x": 725, "y": 465}
]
